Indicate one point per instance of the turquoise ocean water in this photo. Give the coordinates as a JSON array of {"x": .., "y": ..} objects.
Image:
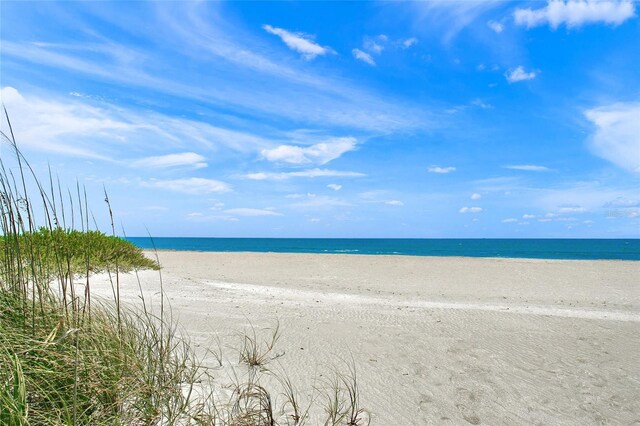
[{"x": 620, "y": 249}]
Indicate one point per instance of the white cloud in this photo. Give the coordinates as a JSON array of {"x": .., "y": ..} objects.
[
  {"x": 572, "y": 209},
  {"x": 311, "y": 173},
  {"x": 301, "y": 43},
  {"x": 438, "y": 169},
  {"x": 195, "y": 186},
  {"x": 495, "y": 26},
  {"x": 363, "y": 56},
  {"x": 394, "y": 203},
  {"x": 251, "y": 212},
  {"x": 617, "y": 138},
  {"x": 334, "y": 186},
  {"x": 575, "y": 13},
  {"x": 593, "y": 196},
  {"x": 470, "y": 210},
  {"x": 320, "y": 153},
  {"x": 409, "y": 42},
  {"x": 375, "y": 44},
  {"x": 475, "y": 196},
  {"x": 519, "y": 74},
  {"x": 623, "y": 202},
  {"x": 510, "y": 220},
  {"x": 528, "y": 216},
  {"x": 480, "y": 103},
  {"x": 313, "y": 200},
  {"x": 190, "y": 159},
  {"x": 528, "y": 168}
]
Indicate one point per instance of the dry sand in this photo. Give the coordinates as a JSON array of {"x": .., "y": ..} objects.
[{"x": 435, "y": 340}]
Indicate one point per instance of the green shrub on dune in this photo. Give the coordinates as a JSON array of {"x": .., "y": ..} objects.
[{"x": 81, "y": 253}]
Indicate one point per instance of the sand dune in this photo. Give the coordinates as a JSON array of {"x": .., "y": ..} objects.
[{"x": 435, "y": 340}]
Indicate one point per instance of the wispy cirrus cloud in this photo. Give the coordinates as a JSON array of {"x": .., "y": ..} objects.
[
  {"x": 617, "y": 135},
  {"x": 201, "y": 37},
  {"x": 572, "y": 209},
  {"x": 364, "y": 57},
  {"x": 320, "y": 201},
  {"x": 319, "y": 153},
  {"x": 379, "y": 197},
  {"x": 192, "y": 186},
  {"x": 300, "y": 42},
  {"x": 184, "y": 159},
  {"x": 441, "y": 170},
  {"x": 250, "y": 212},
  {"x": 528, "y": 168},
  {"x": 576, "y": 13},
  {"x": 448, "y": 18},
  {"x": 81, "y": 128},
  {"x": 470, "y": 210},
  {"x": 311, "y": 173}
]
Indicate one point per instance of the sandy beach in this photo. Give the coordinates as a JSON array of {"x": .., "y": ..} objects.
[{"x": 435, "y": 340}]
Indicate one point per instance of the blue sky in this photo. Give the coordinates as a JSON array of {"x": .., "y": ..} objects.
[{"x": 330, "y": 119}]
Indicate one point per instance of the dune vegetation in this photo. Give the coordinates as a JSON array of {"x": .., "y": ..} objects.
[{"x": 68, "y": 357}]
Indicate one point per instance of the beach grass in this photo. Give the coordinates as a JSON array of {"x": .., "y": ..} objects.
[{"x": 67, "y": 358}]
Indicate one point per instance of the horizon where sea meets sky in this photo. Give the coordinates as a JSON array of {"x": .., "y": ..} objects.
[{"x": 442, "y": 119}]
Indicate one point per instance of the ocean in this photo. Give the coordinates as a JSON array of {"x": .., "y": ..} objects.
[{"x": 619, "y": 249}]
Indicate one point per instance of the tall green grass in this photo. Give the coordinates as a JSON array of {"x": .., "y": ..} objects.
[{"x": 67, "y": 358}]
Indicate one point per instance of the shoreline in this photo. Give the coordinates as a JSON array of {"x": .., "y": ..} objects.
[{"x": 148, "y": 250}]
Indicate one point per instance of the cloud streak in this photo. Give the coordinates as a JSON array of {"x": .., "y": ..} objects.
[
  {"x": 441, "y": 170},
  {"x": 192, "y": 186},
  {"x": 249, "y": 212},
  {"x": 528, "y": 168},
  {"x": 363, "y": 56},
  {"x": 102, "y": 131},
  {"x": 185, "y": 159},
  {"x": 311, "y": 173},
  {"x": 470, "y": 210},
  {"x": 202, "y": 42}
]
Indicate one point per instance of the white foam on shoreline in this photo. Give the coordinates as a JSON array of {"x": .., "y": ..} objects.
[{"x": 312, "y": 297}]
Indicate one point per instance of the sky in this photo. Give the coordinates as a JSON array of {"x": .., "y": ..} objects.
[{"x": 441, "y": 119}]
